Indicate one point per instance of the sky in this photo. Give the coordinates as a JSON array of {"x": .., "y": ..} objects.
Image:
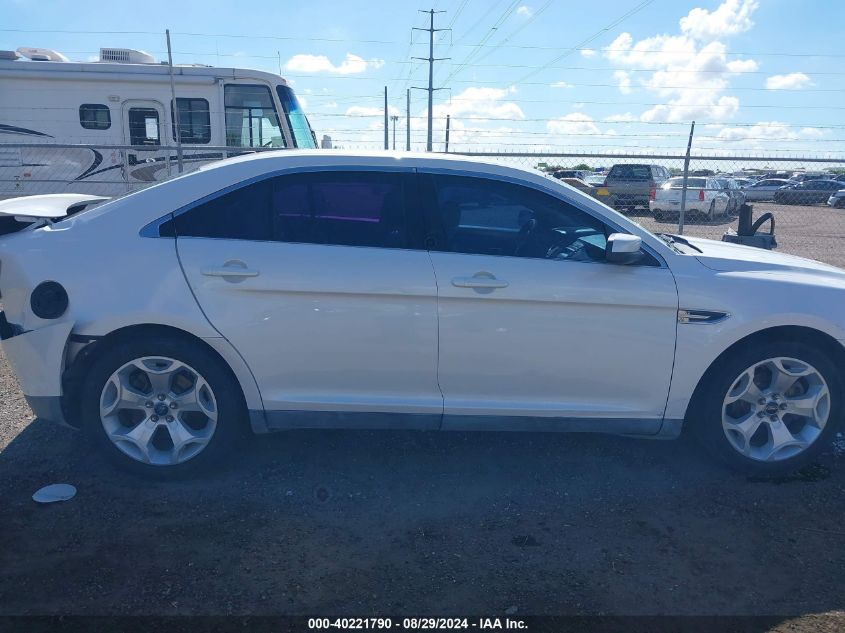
[{"x": 763, "y": 77}]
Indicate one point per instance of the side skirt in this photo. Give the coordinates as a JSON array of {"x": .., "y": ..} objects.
[{"x": 286, "y": 420}]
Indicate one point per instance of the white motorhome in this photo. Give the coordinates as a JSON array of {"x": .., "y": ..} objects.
[{"x": 120, "y": 107}]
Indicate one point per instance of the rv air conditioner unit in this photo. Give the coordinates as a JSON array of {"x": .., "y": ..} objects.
[
  {"x": 125, "y": 56},
  {"x": 42, "y": 54}
]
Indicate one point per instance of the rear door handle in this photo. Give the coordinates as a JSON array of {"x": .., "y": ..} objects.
[
  {"x": 229, "y": 271},
  {"x": 479, "y": 280}
]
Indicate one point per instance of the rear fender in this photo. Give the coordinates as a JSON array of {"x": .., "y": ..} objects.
[{"x": 38, "y": 357}]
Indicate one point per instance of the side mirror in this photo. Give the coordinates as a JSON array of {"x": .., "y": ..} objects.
[{"x": 623, "y": 249}]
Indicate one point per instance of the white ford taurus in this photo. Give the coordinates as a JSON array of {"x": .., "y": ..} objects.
[{"x": 320, "y": 289}]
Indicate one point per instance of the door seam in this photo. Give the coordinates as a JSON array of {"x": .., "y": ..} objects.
[{"x": 437, "y": 321}]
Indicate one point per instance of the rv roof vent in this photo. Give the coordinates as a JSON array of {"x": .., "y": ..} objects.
[
  {"x": 9, "y": 55},
  {"x": 125, "y": 56},
  {"x": 42, "y": 54}
]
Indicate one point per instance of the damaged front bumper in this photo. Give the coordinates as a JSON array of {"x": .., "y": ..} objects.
[{"x": 38, "y": 359}]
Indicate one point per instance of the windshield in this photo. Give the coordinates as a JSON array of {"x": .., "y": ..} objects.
[{"x": 303, "y": 136}]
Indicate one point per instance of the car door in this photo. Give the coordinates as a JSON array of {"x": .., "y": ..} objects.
[
  {"x": 319, "y": 281},
  {"x": 536, "y": 330}
]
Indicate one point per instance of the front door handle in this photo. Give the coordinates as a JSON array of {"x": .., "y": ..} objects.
[
  {"x": 232, "y": 269},
  {"x": 480, "y": 281},
  {"x": 224, "y": 271}
]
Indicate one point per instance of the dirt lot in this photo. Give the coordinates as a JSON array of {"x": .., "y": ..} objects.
[
  {"x": 416, "y": 523},
  {"x": 399, "y": 523}
]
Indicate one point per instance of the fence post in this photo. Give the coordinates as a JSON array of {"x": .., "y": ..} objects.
[
  {"x": 174, "y": 107},
  {"x": 684, "y": 190}
]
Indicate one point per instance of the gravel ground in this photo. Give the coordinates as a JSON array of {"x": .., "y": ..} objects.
[{"x": 400, "y": 523}]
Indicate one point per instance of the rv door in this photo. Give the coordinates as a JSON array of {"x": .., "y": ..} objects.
[{"x": 145, "y": 128}]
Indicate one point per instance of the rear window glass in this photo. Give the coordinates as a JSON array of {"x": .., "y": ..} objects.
[
  {"x": 692, "y": 183},
  {"x": 631, "y": 172}
]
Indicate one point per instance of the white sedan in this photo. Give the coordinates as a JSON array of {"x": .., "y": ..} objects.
[
  {"x": 319, "y": 289},
  {"x": 706, "y": 198}
]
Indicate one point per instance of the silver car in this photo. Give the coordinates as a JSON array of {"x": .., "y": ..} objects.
[{"x": 764, "y": 189}]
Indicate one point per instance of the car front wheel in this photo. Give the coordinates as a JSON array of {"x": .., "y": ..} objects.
[
  {"x": 162, "y": 407},
  {"x": 770, "y": 409}
]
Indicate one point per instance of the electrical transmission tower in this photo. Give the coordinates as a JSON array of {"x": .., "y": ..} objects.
[{"x": 430, "y": 59}]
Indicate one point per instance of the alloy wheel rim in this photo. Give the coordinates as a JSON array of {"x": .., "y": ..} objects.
[
  {"x": 776, "y": 409},
  {"x": 158, "y": 411}
]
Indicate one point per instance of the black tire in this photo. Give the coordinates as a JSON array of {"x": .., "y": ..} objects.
[
  {"x": 705, "y": 412},
  {"x": 232, "y": 421}
]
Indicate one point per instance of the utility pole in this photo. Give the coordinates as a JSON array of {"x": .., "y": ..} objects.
[
  {"x": 684, "y": 189},
  {"x": 394, "y": 118},
  {"x": 408, "y": 120},
  {"x": 447, "y": 133},
  {"x": 386, "y": 146},
  {"x": 430, "y": 59},
  {"x": 175, "y": 109}
]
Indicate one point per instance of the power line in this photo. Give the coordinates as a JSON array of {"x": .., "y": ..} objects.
[{"x": 386, "y": 42}]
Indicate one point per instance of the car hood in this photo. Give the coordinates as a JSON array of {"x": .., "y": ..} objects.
[{"x": 726, "y": 257}]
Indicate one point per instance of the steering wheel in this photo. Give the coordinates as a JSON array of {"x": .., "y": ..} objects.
[
  {"x": 573, "y": 243},
  {"x": 566, "y": 240}
]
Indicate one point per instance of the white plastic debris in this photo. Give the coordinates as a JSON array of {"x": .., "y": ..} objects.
[{"x": 53, "y": 493}]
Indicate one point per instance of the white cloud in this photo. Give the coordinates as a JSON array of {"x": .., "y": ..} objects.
[
  {"x": 623, "y": 80},
  {"x": 481, "y": 102},
  {"x": 587, "y": 52},
  {"x": 730, "y": 18},
  {"x": 560, "y": 84},
  {"x": 525, "y": 11},
  {"x": 690, "y": 71},
  {"x": 351, "y": 64},
  {"x": 764, "y": 131},
  {"x": 573, "y": 123},
  {"x": 792, "y": 81}
]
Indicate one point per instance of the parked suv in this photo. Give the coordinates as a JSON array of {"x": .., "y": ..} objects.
[{"x": 630, "y": 186}]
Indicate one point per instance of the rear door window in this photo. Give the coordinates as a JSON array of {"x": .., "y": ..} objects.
[{"x": 332, "y": 208}]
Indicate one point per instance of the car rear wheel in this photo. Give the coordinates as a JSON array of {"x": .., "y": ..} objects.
[
  {"x": 162, "y": 407},
  {"x": 769, "y": 409}
]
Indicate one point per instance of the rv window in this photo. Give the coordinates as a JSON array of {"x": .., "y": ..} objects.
[
  {"x": 194, "y": 120},
  {"x": 94, "y": 116},
  {"x": 251, "y": 117},
  {"x": 303, "y": 136},
  {"x": 143, "y": 126}
]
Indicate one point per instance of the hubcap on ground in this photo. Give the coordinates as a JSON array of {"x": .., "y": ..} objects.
[
  {"x": 776, "y": 409},
  {"x": 158, "y": 410}
]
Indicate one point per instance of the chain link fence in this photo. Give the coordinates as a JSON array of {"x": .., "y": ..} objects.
[{"x": 800, "y": 193}]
